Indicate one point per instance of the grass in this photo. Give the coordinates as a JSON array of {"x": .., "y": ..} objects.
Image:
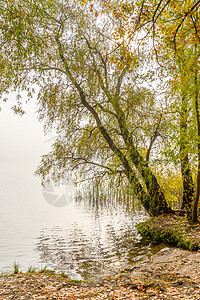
[
  {"x": 47, "y": 271},
  {"x": 16, "y": 268},
  {"x": 33, "y": 270}
]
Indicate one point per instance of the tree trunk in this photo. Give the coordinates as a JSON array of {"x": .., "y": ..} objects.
[
  {"x": 196, "y": 200},
  {"x": 157, "y": 202},
  {"x": 188, "y": 185},
  {"x": 153, "y": 200}
]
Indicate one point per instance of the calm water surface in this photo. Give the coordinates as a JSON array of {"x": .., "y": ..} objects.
[{"x": 86, "y": 239}]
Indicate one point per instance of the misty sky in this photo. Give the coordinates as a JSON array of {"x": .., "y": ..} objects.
[{"x": 21, "y": 137}]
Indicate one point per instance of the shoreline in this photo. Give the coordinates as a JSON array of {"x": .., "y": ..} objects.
[
  {"x": 170, "y": 274},
  {"x": 173, "y": 229}
]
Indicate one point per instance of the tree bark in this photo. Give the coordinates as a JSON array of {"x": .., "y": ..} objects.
[
  {"x": 158, "y": 204},
  {"x": 196, "y": 200},
  {"x": 188, "y": 184}
]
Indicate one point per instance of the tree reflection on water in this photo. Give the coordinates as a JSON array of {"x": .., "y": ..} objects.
[{"x": 107, "y": 242}]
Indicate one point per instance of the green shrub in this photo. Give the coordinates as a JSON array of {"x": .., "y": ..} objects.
[{"x": 171, "y": 235}]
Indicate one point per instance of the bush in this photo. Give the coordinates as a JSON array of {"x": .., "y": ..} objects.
[{"x": 167, "y": 234}]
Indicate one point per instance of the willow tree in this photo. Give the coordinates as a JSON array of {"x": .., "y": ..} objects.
[
  {"x": 90, "y": 89},
  {"x": 173, "y": 27}
]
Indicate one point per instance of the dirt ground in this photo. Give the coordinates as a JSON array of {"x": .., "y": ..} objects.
[
  {"x": 170, "y": 274},
  {"x": 176, "y": 273}
]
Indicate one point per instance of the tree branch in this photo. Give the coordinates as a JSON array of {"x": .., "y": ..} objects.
[
  {"x": 153, "y": 138},
  {"x": 196, "y": 31},
  {"x": 131, "y": 176},
  {"x": 182, "y": 21},
  {"x": 120, "y": 79}
]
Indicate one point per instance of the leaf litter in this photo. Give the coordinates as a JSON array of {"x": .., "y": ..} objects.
[{"x": 170, "y": 274}]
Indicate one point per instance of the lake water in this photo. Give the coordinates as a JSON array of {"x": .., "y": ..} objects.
[{"x": 85, "y": 239}]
